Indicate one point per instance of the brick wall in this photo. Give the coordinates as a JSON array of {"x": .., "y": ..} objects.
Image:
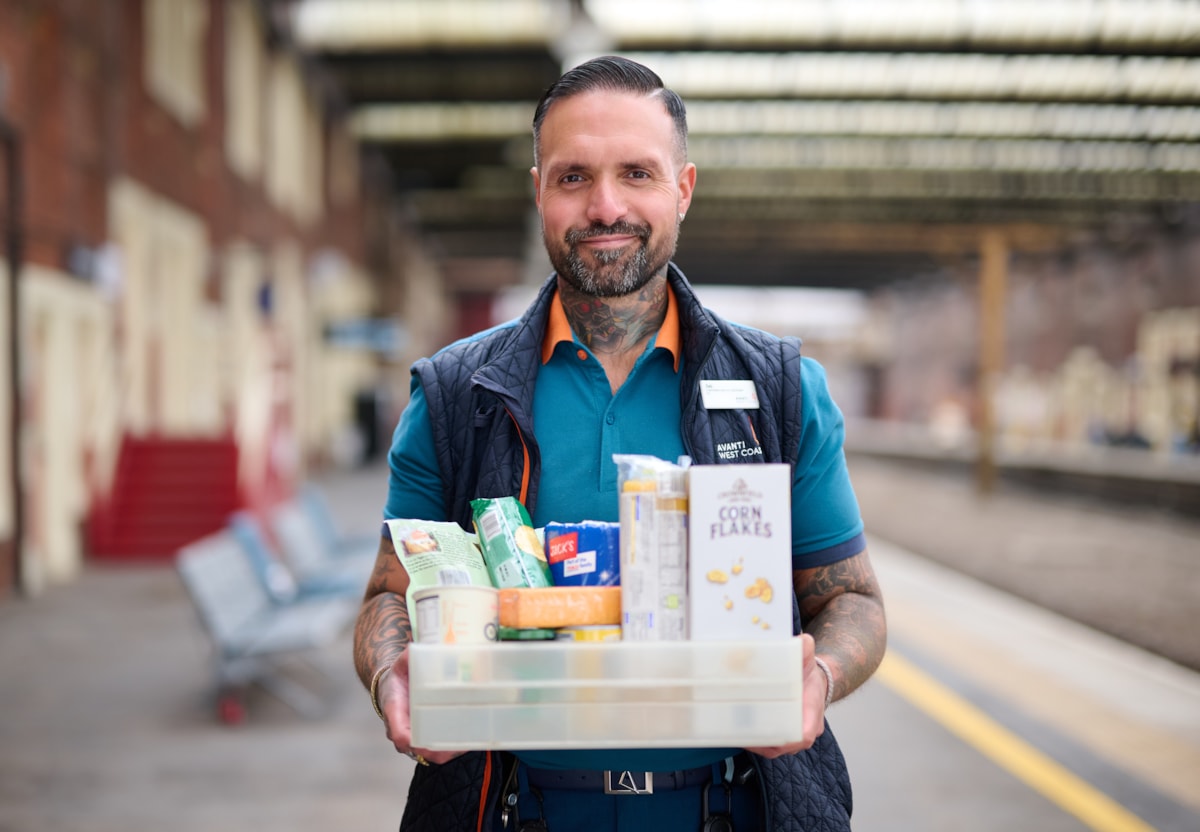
[{"x": 74, "y": 87}]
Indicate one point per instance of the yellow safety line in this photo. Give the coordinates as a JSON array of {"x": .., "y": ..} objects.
[{"x": 1014, "y": 755}]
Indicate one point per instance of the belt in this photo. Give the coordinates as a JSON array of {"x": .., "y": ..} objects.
[{"x": 618, "y": 782}]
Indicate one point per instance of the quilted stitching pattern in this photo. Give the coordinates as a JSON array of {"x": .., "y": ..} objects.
[
  {"x": 483, "y": 387},
  {"x": 445, "y": 798},
  {"x": 809, "y": 791}
]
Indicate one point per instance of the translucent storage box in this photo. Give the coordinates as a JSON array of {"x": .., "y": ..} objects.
[{"x": 606, "y": 695}]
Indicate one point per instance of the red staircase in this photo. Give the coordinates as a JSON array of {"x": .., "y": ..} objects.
[{"x": 166, "y": 493}]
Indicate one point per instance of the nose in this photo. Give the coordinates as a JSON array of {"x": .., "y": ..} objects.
[{"x": 605, "y": 204}]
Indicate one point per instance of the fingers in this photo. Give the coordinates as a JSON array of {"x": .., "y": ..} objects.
[
  {"x": 813, "y": 702},
  {"x": 393, "y": 697},
  {"x": 424, "y": 757},
  {"x": 810, "y": 650},
  {"x": 415, "y": 757},
  {"x": 435, "y": 757},
  {"x": 393, "y": 701}
]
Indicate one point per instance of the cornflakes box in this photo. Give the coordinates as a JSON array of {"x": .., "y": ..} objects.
[{"x": 740, "y": 552}]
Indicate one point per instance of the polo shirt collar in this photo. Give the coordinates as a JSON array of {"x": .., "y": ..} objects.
[{"x": 558, "y": 329}]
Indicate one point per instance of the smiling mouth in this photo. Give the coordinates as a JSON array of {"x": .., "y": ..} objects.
[
  {"x": 607, "y": 251},
  {"x": 609, "y": 242},
  {"x": 617, "y": 235}
]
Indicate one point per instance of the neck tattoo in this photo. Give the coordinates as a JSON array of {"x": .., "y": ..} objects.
[{"x": 612, "y": 325}]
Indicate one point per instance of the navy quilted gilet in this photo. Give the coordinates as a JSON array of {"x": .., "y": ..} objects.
[{"x": 480, "y": 392}]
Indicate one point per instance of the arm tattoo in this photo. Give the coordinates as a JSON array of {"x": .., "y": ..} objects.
[
  {"x": 383, "y": 627},
  {"x": 842, "y": 608}
]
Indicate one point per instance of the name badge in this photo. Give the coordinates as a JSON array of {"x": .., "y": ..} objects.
[{"x": 729, "y": 395}]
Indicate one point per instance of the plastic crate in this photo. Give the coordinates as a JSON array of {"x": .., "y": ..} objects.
[{"x": 556, "y": 694}]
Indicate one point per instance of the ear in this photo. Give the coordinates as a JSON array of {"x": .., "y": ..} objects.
[
  {"x": 537, "y": 187},
  {"x": 686, "y": 183}
]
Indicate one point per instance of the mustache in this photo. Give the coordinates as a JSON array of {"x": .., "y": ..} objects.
[{"x": 620, "y": 227}]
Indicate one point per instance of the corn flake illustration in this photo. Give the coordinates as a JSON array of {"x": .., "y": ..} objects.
[{"x": 761, "y": 590}]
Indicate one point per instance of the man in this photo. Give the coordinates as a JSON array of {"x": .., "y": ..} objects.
[{"x": 608, "y": 359}]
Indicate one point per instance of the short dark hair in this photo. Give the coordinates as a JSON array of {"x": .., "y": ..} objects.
[{"x": 615, "y": 74}]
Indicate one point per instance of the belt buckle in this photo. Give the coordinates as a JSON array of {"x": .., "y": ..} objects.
[{"x": 628, "y": 782}]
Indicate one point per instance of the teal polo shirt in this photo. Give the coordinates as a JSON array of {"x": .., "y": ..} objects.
[{"x": 580, "y": 423}]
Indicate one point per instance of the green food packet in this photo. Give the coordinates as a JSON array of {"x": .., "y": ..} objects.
[{"x": 511, "y": 549}]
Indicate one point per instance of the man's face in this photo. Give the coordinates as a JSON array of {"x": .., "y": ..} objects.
[{"x": 611, "y": 188}]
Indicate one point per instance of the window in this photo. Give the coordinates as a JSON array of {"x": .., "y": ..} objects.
[
  {"x": 174, "y": 56},
  {"x": 244, "y": 79}
]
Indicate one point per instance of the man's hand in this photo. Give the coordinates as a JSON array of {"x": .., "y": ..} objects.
[
  {"x": 383, "y": 627},
  {"x": 815, "y": 688},
  {"x": 393, "y": 701},
  {"x": 842, "y": 609}
]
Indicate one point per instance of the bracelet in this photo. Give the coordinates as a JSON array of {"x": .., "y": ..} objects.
[
  {"x": 828, "y": 678},
  {"x": 375, "y": 680}
]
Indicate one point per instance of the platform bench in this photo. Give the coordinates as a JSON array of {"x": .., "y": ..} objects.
[{"x": 251, "y": 633}]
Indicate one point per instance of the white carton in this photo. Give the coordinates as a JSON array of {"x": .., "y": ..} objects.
[
  {"x": 653, "y": 544},
  {"x": 740, "y": 552}
]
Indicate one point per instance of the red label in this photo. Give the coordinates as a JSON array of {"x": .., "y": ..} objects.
[{"x": 564, "y": 547}]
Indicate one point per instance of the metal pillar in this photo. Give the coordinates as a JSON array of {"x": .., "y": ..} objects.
[
  {"x": 11, "y": 143},
  {"x": 993, "y": 297}
]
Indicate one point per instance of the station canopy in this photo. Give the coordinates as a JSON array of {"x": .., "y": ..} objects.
[{"x": 839, "y": 142}]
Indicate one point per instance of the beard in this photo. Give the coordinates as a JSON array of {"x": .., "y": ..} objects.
[{"x": 616, "y": 272}]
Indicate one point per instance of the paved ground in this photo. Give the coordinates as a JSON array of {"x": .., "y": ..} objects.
[
  {"x": 106, "y": 721},
  {"x": 992, "y": 714}
]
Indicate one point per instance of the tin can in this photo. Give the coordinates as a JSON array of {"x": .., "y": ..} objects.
[
  {"x": 593, "y": 632},
  {"x": 464, "y": 614}
]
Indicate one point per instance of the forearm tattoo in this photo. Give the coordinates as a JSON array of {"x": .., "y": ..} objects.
[
  {"x": 383, "y": 627},
  {"x": 841, "y": 607}
]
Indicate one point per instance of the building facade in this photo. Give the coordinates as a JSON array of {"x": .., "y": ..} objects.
[{"x": 188, "y": 219}]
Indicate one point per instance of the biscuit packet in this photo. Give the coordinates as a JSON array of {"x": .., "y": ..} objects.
[
  {"x": 514, "y": 554},
  {"x": 437, "y": 554}
]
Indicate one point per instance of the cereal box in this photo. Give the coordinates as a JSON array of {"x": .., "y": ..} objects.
[{"x": 739, "y": 552}]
